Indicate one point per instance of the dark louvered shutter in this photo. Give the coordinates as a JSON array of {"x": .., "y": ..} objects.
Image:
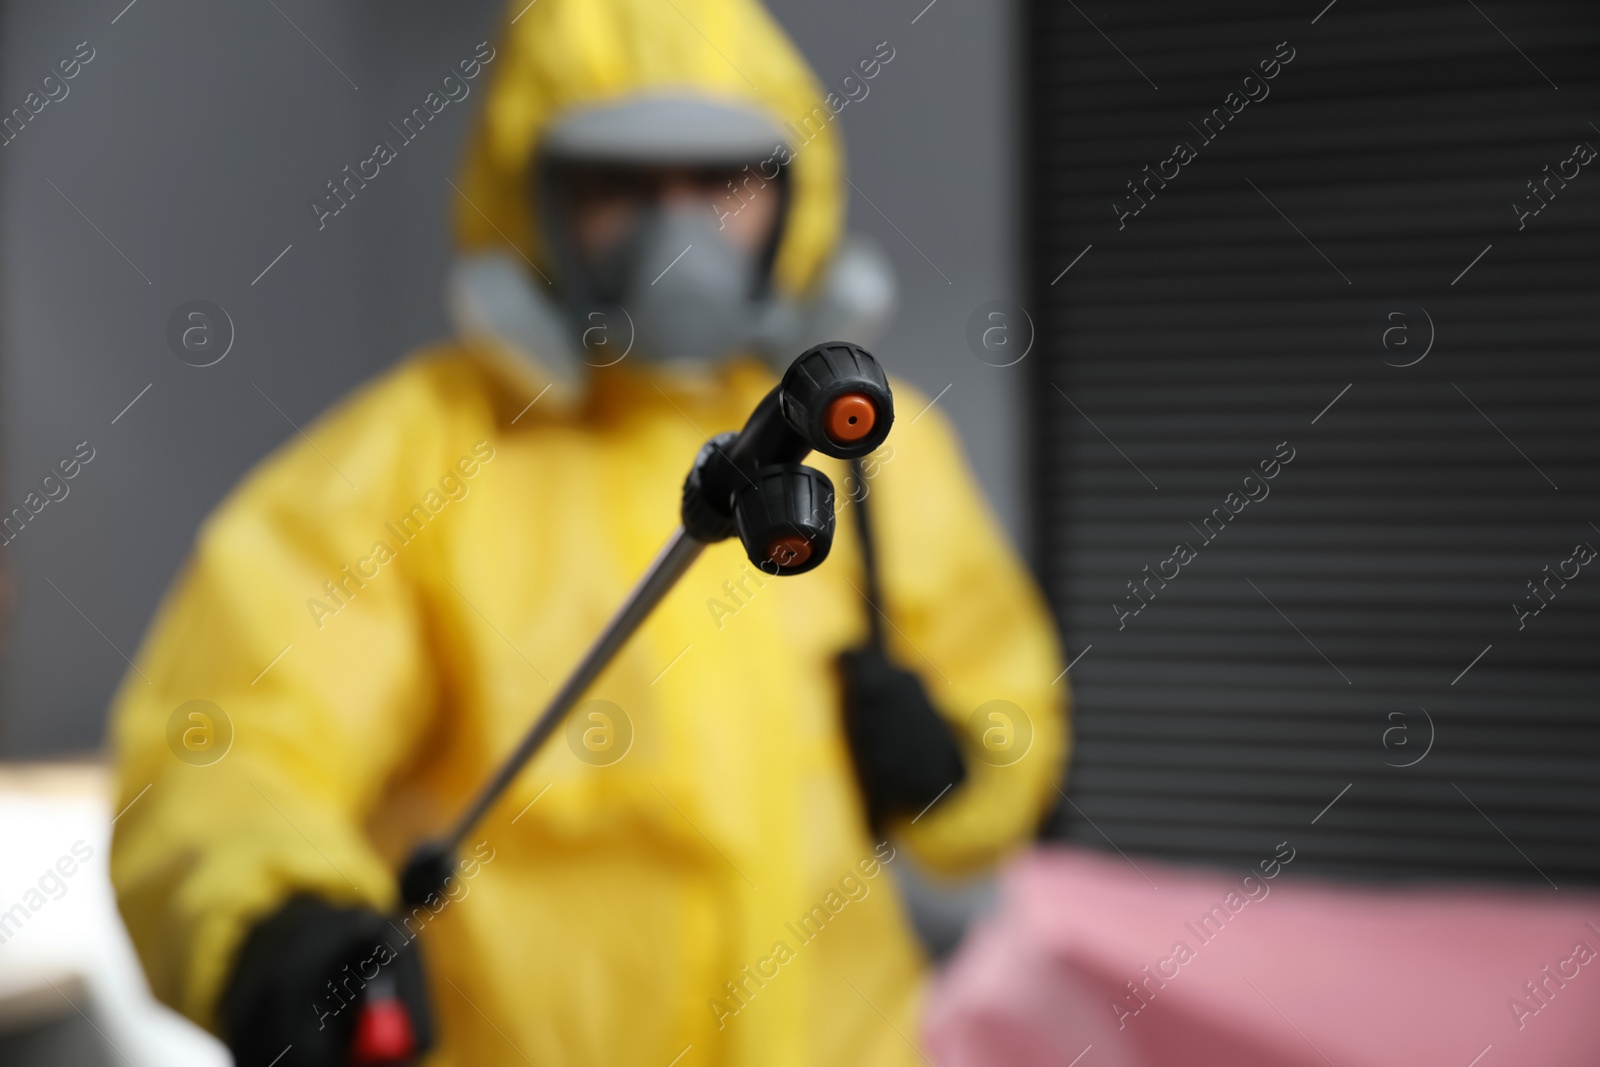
[{"x": 1306, "y": 647}]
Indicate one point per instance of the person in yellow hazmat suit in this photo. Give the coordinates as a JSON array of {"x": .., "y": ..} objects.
[{"x": 698, "y": 871}]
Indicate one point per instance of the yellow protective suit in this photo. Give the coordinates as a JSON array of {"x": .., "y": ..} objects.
[{"x": 379, "y": 611}]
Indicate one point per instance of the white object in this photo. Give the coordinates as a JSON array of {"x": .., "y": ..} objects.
[{"x": 62, "y": 941}]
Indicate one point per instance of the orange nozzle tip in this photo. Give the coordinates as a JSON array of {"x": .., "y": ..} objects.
[
  {"x": 849, "y": 418},
  {"x": 790, "y": 550}
]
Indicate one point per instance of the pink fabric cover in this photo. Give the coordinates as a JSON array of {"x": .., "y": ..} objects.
[{"x": 1306, "y": 974}]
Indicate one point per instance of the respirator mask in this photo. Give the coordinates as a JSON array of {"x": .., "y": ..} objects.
[
  {"x": 663, "y": 216},
  {"x": 690, "y": 294}
]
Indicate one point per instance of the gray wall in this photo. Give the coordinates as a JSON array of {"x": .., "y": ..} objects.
[{"x": 188, "y": 147}]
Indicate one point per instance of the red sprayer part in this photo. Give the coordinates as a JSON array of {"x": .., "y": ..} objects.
[{"x": 383, "y": 1034}]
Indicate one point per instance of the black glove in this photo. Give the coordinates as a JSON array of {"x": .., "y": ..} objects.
[
  {"x": 905, "y": 753},
  {"x": 280, "y": 994}
]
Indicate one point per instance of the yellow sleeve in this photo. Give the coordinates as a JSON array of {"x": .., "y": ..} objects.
[
  {"x": 313, "y": 705},
  {"x": 969, "y": 620}
]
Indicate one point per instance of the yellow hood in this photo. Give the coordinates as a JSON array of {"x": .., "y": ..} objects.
[{"x": 556, "y": 55}]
